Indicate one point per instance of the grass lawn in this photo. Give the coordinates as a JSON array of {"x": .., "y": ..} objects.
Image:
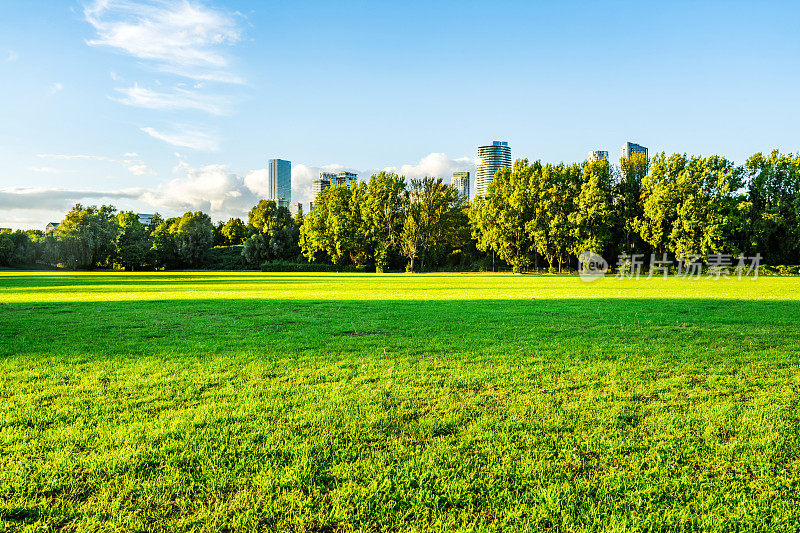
[{"x": 336, "y": 402}]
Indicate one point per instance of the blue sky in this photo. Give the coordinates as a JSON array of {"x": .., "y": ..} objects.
[{"x": 175, "y": 105}]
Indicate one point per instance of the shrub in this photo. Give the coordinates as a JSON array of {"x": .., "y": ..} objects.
[
  {"x": 225, "y": 258},
  {"x": 290, "y": 266}
]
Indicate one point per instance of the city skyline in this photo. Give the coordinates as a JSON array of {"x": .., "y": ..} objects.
[{"x": 185, "y": 115}]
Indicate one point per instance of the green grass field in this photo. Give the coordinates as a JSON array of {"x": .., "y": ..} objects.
[{"x": 334, "y": 402}]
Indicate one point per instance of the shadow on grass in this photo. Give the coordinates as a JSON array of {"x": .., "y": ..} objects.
[{"x": 593, "y": 328}]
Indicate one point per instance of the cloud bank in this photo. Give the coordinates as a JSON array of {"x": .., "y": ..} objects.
[{"x": 214, "y": 189}]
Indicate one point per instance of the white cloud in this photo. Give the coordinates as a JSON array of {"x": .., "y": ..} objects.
[
  {"x": 256, "y": 181},
  {"x": 131, "y": 154},
  {"x": 46, "y": 170},
  {"x": 193, "y": 139},
  {"x": 213, "y": 189},
  {"x": 177, "y": 99},
  {"x": 181, "y": 37},
  {"x": 140, "y": 170},
  {"x": 55, "y": 88},
  {"x": 39, "y": 198},
  {"x": 12, "y": 56},
  {"x": 435, "y": 165}
]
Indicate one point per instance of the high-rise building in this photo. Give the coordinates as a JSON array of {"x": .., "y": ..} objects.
[
  {"x": 461, "y": 183},
  {"x": 598, "y": 155},
  {"x": 279, "y": 182},
  {"x": 295, "y": 207},
  {"x": 322, "y": 183},
  {"x": 629, "y": 148},
  {"x": 331, "y": 179},
  {"x": 344, "y": 178},
  {"x": 491, "y": 158}
]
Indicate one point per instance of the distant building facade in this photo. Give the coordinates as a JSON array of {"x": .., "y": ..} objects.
[
  {"x": 491, "y": 158},
  {"x": 145, "y": 219},
  {"x": 461, "y": 182},
  {"x": 598, "y": 155},
  {"x": 279, "y": 182},
  {"x": 296, "y": 207},
  {"x": 331, "y": 179},
  {"x": 321, "y": 183},
  {"x": 51, "y": 226},
  {"x": 629, "y": 148},
  {"x": 344, "y": 178}
]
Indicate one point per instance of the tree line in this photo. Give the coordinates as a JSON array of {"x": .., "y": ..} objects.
[
  {"x": 675, "y": 205},
  {"x": 91, "y": 237},
  {"x": 533, "y": 216}
]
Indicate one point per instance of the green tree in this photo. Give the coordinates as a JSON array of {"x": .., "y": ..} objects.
[
  {"x": 552, "y": 231},
  {"x": 86, "y": 238},
  {"x": 383, "y": 216},
  {"x": 660, "y": 199},
  {"x": 774, "y": 203},
  {"x": 592, "y": 220},
  {"x": 6, "y": 248},
  {"x": 501, "y": 220},
  {"x": 315, "y": 238},
  {"x": 335, "y": 228},
  {"x": 275, "y": 234},
  {"x": 691, "y": 205},
  {"x": 263, "y": 216},
  {"x": 133, "y": 242},
  {"x": 627, "y": 192},
  {"x": 234, "y": 231},
  {"x": 164, "y": 250},
  {"x": 27, "y": 248},
  {"x": 193, "y": 236},
  {"x": 432, "y": 210}
]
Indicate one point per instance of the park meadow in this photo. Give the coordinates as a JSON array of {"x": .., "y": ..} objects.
[{"x": 200, "y": 401}]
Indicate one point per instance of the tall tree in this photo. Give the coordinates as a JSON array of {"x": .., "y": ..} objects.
[
  {"x": 627, "y": 191},
  {"x": 559, "y": 190},
  {"x": 275, "y": 234},
  {"x": 691, "y": 205},
  {"x": 501, "y": 221},
  {"x": 774, "y": 196},
  {"x": 194, "y": 236},
  {"x": 86, "y": 237},
  {"x": 132, "y": 243},
  {"x": 234, "y": 231},
  {"x": 592, "y": 219},
  {"x": 429, "y": 227},
  {"x": 383, "y": 215}
]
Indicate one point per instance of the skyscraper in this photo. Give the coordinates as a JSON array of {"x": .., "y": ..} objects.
[
  {"x": 598, "y": 155},
  {"x": 331, "y": 179},
  {"x": 322, "y": 183},
  {"x": 629, "y": 148},
  {"x": 491, "y": 158},
  {"x": 344, "y": 178},
  {"x": 279, "y": 182},
  {"x": 461, "y": 183}
]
